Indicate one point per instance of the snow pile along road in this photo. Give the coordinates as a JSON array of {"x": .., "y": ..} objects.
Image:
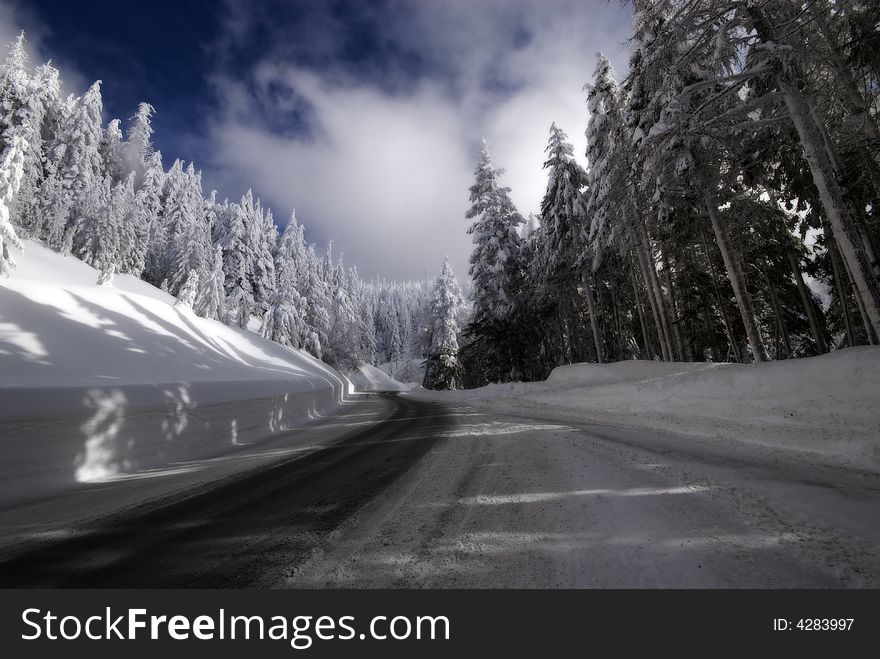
[
  {"x": 370, "y": 378},
  {"x": 98, "y": 382},
  {"x": 825, "y": 405}
]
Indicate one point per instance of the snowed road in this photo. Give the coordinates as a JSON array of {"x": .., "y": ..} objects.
[{"x": 401, "y": 491}]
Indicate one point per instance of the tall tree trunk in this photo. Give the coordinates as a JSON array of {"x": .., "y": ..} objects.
[
  {"x": 710, "y": 332},
  {"x": 866, "y": 321},
  {"x": 594, "y": 325},
  {"x": 564, "y": 348},
  {"x": 841, "y": 295},
  {"x": 781, "y": 330},
  {"x": 673, "y": 307},
  {"x": 728, "y": 328},
  {"x": 807, "y": 300},
  {"x": 649, "y": 352},
  {"x": 618, "y": 329},
  {"x": 821, "y": 158},
  {"x": 842, "y": 223},
  {"x": 734, "y": 273},
  {"x": 653, "y": 282},
  {"x": 652, "y": 300},
  {"x": 847, "y": 84}
]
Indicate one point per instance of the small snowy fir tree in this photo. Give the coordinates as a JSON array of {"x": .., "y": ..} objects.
[
  {"x": 443, "y": 370},
  {"x": 190, "y": 247},
  {"x": 10, "y": 180},
  {"x": 187, "y": 296},
  {"x": 112, "y": 151},
  {"x": 211, "y": 302},
  {"x": 317, "y": 303},
  {"x": 105, "y": 275},
  {"x": 240, "y": 308},
  {"x": 562, "y": 208},
  {"x": 77, "y": 148},
  {"x": 57, "y": 230},
  {"x": 97, "y": 227},
  {"x": 138, "y": 147}
]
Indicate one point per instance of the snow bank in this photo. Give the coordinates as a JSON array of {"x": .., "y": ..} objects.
[
  {"x": 826, "y": 405},
  {"x": 411, "y": 371},
  {"x": 101, "y": 381},
  {"x": 370, "y": 378}
]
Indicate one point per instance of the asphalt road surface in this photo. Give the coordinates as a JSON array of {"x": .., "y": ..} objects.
[
  {"x": 401, "y": 491},
  {"x": 237, "y": 531}
]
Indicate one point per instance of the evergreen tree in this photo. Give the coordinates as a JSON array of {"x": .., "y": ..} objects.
[
  {"x": 495, "y": 271},
  {"x": 317, "y": 298},
  {"x": 10, "y": 179},
  {"x": 138, "y": 148},
  {"x": 186, "y": 298},
  {"x": 211, "y": 302},
  {"x": 54, "y": 207},
  {"x": 76, "y": 153},
  {"x": 22, "y": 114},
  {"x": 97, "y": 227},
  {"x": 149, "y": 234},
  {"x": 112, "y": 152},
  {"x": 283, "y": 322},
  {"x": 442, "y": 369},
  {"x": 190, "y": 247}
]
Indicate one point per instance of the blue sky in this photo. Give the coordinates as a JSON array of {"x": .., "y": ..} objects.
[{"x": 363, "y": 115}]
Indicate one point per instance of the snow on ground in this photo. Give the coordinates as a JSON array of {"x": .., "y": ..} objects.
[
  {"x": 510, "y": 501},
  {"x": 371, "y": 378},
  {"x": 100, "y": 381},
  {"x": 826, "y": 405},
  {"x": 411, "y": 371}
]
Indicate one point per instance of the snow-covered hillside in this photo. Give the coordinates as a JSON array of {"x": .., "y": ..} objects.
[
  {"x": 99, "y": 381},
  {"x": 372, "y": 378},
  {"x": 825, "y": 405}
]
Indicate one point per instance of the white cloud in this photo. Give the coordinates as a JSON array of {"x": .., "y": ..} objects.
[
  {"x": 385, "y": 174},
  {"x": 376, "y": 180}
]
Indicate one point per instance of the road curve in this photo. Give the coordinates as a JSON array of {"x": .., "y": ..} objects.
[
  {"x": 402, "y": 491},
  {"x": 245, "y": 530}
]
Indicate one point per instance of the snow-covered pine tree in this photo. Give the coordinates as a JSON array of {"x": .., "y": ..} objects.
[
  {"x": 680, "y": 163},
  {"x": 396, "y": 350},
  {"x": 190, "y": 247},
  {"x": 443, "y": 369},
  {"x": 54, "y": 208},
  {"x": 53, "y": 107},
  {"x": 615, "y": 217},
  {"x": 112, "y": 151},
  {"x": 607, "y": 178},
  {"x": 14, "y": 90},
  {"x": 317, "y": 304},
  {"x": 211, "y": 302},
  {"x": 97, "y": 227},
  {"x": 263, "y": 238},
  {"x": 186, "y": 298},
  {"x": 22, "y": 114},
  {"x": 76, "y": 154},
  {"x": 130, "y": 255},
  {"x": 139, "y": 147},
  {"x": 240, "y": 307},
  {"x": 106, "y": 275},
  {"x": 283, "y": 322},
  {"x": 530, "y": 228},
  {"x": 495, "y": 270},
  {"x": 10, "y": 179},
  {"x": 151, "y": 227},
  {"x": 562, "y": 256}
]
